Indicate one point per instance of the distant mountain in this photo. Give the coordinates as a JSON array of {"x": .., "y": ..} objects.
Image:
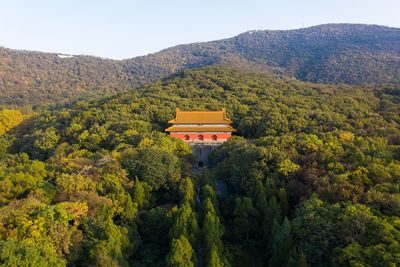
[
  {"x": 331, "y": 53},
  {"x": 35, "y": 77}
]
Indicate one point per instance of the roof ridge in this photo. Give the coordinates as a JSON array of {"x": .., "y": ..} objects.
[{"x": 201, "y": 116}]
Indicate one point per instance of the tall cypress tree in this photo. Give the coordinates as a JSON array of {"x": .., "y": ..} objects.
[
  {"x": 281, "y": 245},
  {"x": 187, "y": 190},
  {"x": 212, "y": 232},
  {"x": 245, "y": 217},
  {"x": 185, "y": 230},
  {"x": 181, "y": 254},
  {"x": 209, "y": 192},
  {"x": 185, "y": 223},
  {"x": 296, "y": 259},
  {"x": 139, "y": 194},
  {"x": 272, "y": 213},
  {"x": 261, "y": 204},
  {"x": 283, "y": 202},
  {"x": 301, "y": 260},
  {"x": 212, "y": 228}
]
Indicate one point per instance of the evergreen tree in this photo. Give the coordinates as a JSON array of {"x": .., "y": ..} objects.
[
  {"x": 283, "y": 202},
  {"x": 212, "y": 232},
  {"x": 181, "y": 253},
  {"x": 301, "y": 260},
  {"x": 215, "y": 259},
  {"x": 281, "y": 245},
  {"x": 260, "y": 200},
  {"x": 262, "y": 207},
  {"x": 185, "y": 224},
  {"x": 209, "y": 192},
  {"x": 245, "y": 217},
  {"x": 212, "y": 228},
  {"x": 139, "y": 194},
  {"x": 296, "y": 259},
  {"x": 272, "y": 214},
  {"x": 187, "y": 190}
]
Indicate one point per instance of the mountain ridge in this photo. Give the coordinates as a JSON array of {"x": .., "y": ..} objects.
[{"x": 328, "y": 53}]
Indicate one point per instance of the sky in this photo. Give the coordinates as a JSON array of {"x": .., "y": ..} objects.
[{"x": 120, "y": 29}]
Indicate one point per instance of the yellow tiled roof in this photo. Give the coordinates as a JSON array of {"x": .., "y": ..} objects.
[
  {"x": 175, "y": 128},
  {"x": 198, "y": 117}
]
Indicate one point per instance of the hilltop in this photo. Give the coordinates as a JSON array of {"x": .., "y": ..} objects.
[{"x": 331, "y": 53}]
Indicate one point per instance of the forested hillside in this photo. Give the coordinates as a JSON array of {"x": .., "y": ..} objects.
[
  {"x": 312, "y": 178},
  {"x": 35, "y": 77},
  {"x": 332, "y": 53}
]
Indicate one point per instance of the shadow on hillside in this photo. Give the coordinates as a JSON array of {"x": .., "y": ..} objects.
[{"x": 18, "y": 132}]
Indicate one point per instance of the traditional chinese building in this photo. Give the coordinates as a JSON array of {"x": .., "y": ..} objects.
[{"x": 203, "y": 130}]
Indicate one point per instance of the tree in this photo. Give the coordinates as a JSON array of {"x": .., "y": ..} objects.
[
  {"x": 181, "y": 253},
  {"x": 14, "y": 253},
  {"x": 139, "y": 194},
  {"x": 106, "y": 242},
  {"x": 260, "y": 199},
  {"x": 187, "y": 190},
  {"x": 283, "y": 202},
  {"x": 185, "y": 224},
  {"x": 212, "y": 232},
  {"x": 373, "y": 255},
  {"x": 301, "y": 261},
  {"x": 155, "y": 166},
  {"x": 245, "y": 217},
  {"x": 208, "y": 192},
  {"x": 309, "y": 143},
  {"x": 296, "y": 259},
  {"x": 281, "y": 245},
  {"x": 286, "y": 167},
  {"x": 273, "y": 213},
  {"x": 44, "y": 142},
  {"x": 9, "y": 119},
  {"x": 317, "y": 221}
]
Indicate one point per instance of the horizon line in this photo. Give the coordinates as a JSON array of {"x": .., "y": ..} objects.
[{"x": 67, "y": 55}]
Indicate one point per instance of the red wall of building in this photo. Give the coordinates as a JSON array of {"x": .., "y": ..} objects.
[{"x": 206, "y": 136}]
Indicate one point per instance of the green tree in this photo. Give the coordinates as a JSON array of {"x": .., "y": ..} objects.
[
  {"x": 296, "y": 259},
  {"x": 9, "y": 119},
  {"x": 181, "y": 253},
  {"x": 273, "y": 213},
  {"x": 185, "y": 224},
  {"x": 45, "y": 141},
  {"x": 302, "y": 261},
  {"x": 315, "y": 220},
  {"x": 281, "y": 245},
  {"x": 245, "y": 217},
  {"x": 286, "y": 167},
  {"x": 14, "y": 253},
  {"x": 309, "y": 143},
  {"x": 139, "y": 194},
  {"x": 212, "y": 232},
  {"x": 155, "y": 166},
  {"x": 187, "y": 190}
]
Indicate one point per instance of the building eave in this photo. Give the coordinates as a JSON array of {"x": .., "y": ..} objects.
[{"x": 194, "y": 129}]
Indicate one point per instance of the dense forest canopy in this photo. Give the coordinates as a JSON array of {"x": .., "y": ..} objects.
[
  {"x": 311, "y": 178},
  {"x": 331, "y": 53},
  {"x": 35, "y": 77}
]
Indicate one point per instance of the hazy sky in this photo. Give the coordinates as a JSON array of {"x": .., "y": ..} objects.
[{"x": 121, "y": 28}]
